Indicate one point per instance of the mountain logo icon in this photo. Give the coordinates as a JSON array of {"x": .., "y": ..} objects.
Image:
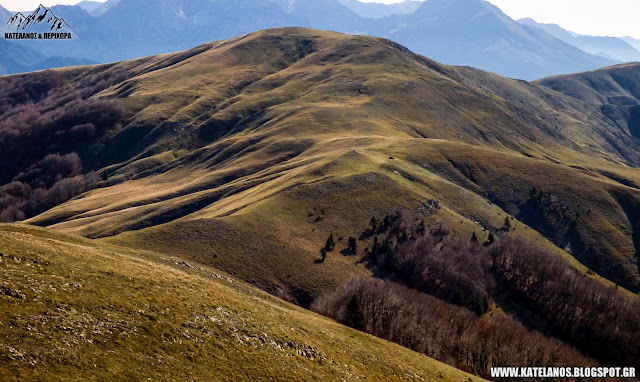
[{"x": 42, "y": 15}]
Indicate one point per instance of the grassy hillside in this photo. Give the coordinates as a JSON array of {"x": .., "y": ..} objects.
[
  {"x": 246, "y": 137},
  {"x": 72, "y": 309},
  {"x": 247, "y": 153}
]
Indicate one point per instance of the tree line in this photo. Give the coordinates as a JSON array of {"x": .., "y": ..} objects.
[
  {"x": 443, "y": 331},
  {"x": 549, "y": 301},
  {"x": 50, "y": 129},
  {"x": 51, "y": 182}
]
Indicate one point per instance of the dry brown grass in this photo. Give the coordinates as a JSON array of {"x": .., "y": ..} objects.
[{"x": 73, "y": 309}]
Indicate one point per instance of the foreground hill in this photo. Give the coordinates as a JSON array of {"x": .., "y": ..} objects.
[{"x": 73, "y": 309}]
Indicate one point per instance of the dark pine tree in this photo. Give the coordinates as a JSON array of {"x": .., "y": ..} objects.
[
  {"x": 490, "y": 240},
  {"x": 330, "y": 244},
  {"x": 352, "y": 244},
  {"x": 507, "y": 224},
  {"x": 386, "y": 222},
  {"x": 354, "y": 314},
  {"x": 374, "y": 224}
]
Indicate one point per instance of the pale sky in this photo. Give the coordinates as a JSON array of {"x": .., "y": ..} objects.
[
  {"x": 594, "y": 17},
  {"x": 23, "y": 5}
]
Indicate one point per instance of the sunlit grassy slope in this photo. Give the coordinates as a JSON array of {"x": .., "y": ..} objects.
[
  {"x": 246, "y": 154},
  {"x": 74, "y": 309}
]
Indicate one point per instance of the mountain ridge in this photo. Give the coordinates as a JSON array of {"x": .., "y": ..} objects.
[
  {"x": 17, "y": 58},
  {"x": 512, "y": 49},
  {"x": 379, "y": 10},
  {"x": 608, "y": 47},
  {"x": 484, "y": 116}
]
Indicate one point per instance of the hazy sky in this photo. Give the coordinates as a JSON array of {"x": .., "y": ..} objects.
[
  {"x": 595, "y": 17},
  {"x": 22, "y": 5}
]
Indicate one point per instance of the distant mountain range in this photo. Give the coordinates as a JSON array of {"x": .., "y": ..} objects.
[
  {"x": 379, "y": 10},
  {"x": 477, "y": 33},
  {"x": 460, "y": 32},
  {"x": 96, "y": 8},
  {"x": 4, "y": 16},
  {"x": 608, "y": 47},
  {"x": 632, "y": 41},
  {"x": 15, "y": 58}
]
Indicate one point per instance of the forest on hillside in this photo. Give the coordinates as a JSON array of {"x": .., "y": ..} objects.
[
  {"x": 49, "y": 130},
  {"x": 477, "y": 304}
]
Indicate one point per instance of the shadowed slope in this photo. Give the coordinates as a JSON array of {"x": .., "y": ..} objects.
[{"x": 615, "y": 90}]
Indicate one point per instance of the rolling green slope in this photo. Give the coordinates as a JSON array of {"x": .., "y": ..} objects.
[
  {"x": 72, "y": 309},
  {"x": 246, "y": 154}
]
